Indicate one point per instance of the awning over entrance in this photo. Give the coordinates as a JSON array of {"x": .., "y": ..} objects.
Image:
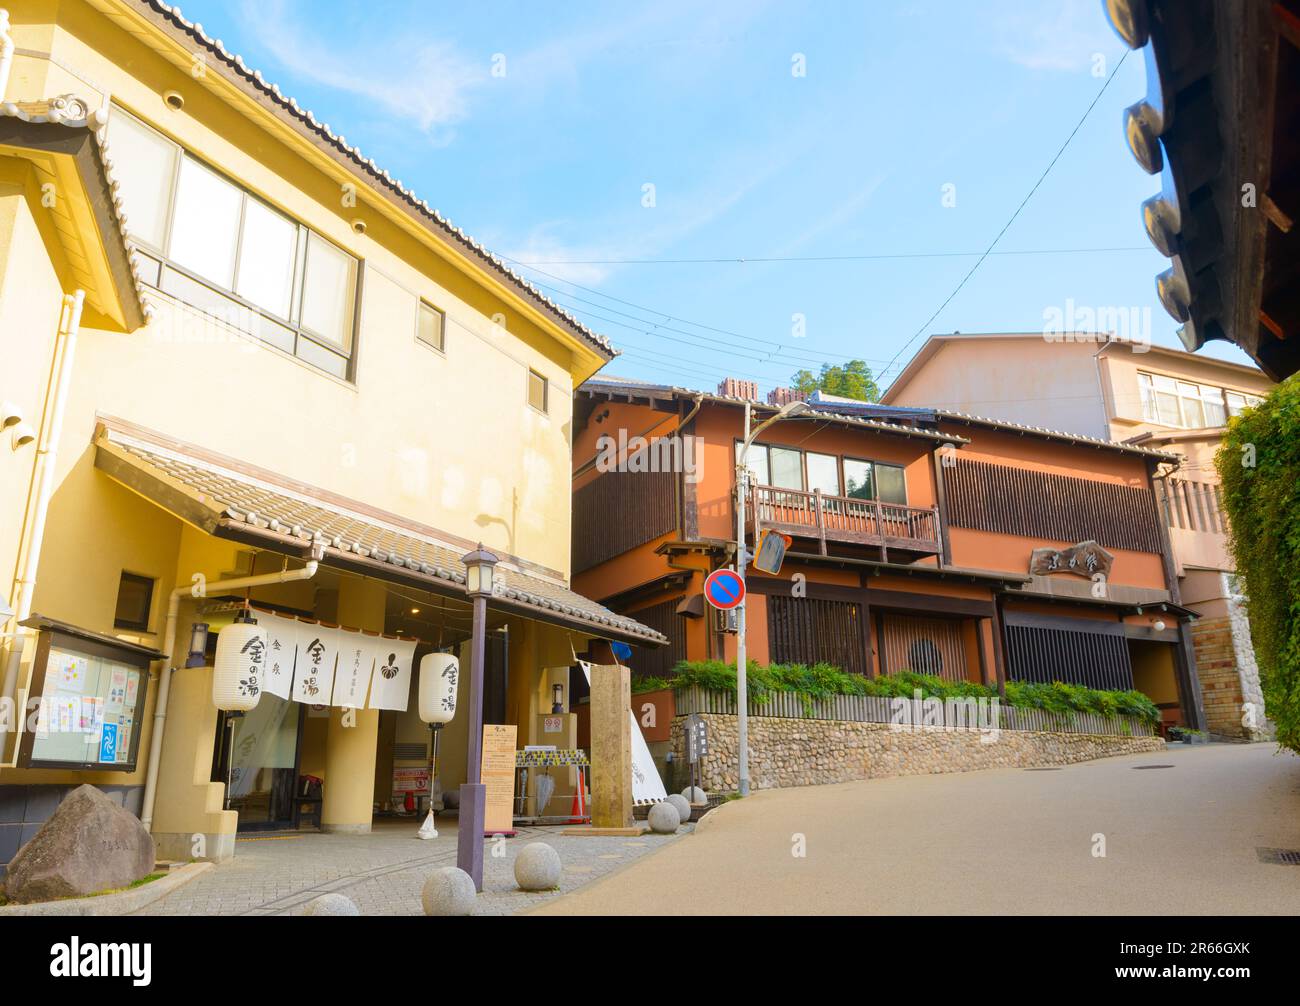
[{"x": 230, "y": 499}]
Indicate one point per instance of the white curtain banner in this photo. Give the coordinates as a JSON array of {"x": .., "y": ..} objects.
[
  {"x": 390, "y": 688},
  {"x": 314, "y": 678},
  {"x": 356, "y": 661},
  {"x": 281, "y": 643}
]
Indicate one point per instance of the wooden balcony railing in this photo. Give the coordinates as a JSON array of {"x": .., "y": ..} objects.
[
  {"x": 1193, "y": 506},
  {"x": 844, "y": 519}
]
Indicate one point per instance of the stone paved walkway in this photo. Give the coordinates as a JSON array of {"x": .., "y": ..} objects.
[{"x": 383, "y": 872}]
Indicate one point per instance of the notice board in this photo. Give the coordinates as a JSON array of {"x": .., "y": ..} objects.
[{"x": 498, "y": 778}]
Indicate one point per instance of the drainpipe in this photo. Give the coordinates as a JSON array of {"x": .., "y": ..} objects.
[
  {"x": 6, "y": 52},
  {"x": 165, "y": 669},
  {"x": 46, "y": 455}
]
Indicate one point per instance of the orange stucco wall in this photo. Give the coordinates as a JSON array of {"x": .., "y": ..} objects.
[
  {"x": 719, "y": 427},
  {"x": 1006, "y": 552}
]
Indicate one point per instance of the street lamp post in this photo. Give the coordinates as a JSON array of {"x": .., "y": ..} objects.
[
  {"x": 479, "y": 566},
  {"x": 788, "y": 411}
]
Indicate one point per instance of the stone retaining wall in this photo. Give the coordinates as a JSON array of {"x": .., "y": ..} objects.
[{"x": 801, "y": 752}]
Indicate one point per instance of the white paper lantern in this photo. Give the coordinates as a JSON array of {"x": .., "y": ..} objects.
[
  {"x": 439, "y": 675},
  {"x": 241, "y": 657}
]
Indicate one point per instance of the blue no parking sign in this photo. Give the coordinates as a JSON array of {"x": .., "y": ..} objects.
[{"x": 724, "y": 589}]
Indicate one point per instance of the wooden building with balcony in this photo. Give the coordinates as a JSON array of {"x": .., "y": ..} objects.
[{"x": 970, "y": 548}]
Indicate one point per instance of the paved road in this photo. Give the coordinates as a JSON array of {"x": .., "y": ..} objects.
[{"x": 1181, "y": 839}]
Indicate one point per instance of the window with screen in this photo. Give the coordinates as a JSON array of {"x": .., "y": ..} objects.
[
  {"x": 429, "y": 326},
  {"x": 213, "y": 245},
  {"x": 537, "y": 391}
]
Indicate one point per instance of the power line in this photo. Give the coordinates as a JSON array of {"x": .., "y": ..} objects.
[
  {"x": 650, "y": 310},
  {"x": 1005, "y": 227},
  {"x": 773, "y": 358},
  {"x": 881, "y": 257}
]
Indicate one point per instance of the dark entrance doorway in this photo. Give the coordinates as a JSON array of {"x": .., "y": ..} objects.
[{"x": 257, "y": 756}]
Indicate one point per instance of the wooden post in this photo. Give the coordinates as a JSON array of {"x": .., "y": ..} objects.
[
  {"x": 880, "y": 530},
  {"x": 611, "y": 746},
  {"x": 821, "y": 519}
]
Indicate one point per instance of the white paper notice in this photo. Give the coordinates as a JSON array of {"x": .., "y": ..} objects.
[
  {"x": 314, "y": 678},
  {"x": 281, "y": 643},
  {"x": 391, "y": 686},
  {"x": 356, "y": 661}
]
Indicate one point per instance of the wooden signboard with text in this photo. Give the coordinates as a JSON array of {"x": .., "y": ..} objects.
[{"x": 498, "y": 778}]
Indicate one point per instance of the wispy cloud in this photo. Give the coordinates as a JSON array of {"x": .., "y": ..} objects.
[
  {"x": 422, "y": 80},
  {"x": 1064, "y": 36}
]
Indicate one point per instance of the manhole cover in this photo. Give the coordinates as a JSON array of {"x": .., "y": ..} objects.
[
  {"x": 1152, "y": 766},
  {"x": 1279, "y": 857}
]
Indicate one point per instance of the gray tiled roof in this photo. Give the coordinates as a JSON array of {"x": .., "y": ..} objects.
[
  {"x": 71, "y": 112},
  {"x": 611, "y": 385},
  {"x": 211, "y": 494}
]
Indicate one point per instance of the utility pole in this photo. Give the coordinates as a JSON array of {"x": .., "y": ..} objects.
[{"x": 788, "y": 411}]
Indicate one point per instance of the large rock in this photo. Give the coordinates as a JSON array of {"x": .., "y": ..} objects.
[{"x": 89, "y": 844}]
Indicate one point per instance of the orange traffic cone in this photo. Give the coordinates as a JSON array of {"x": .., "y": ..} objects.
[{"x": 579, "y": 808}]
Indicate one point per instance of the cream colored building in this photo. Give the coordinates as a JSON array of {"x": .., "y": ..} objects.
[
  {"x": 243, "y": 350},
  {"x": 1147, "y": 395}
]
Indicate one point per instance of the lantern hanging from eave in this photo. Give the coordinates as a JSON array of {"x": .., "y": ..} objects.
[
  {"x": 241, "y": 657},
  {"x": 439, "y": 674}
]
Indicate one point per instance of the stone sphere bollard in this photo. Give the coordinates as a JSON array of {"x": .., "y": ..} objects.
[
  {"x": 331, "y": 904},
  {"x": 537, "y": 868},
  {"x": 448, "y": 891},
  {"x": 694, "y": 794},
  {"x": 683, "y": 806},
  {"x": 664, "y": 818}
]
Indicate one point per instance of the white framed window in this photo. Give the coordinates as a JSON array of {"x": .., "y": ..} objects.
[
  {"x": 823, "y": 473},
  {"x": 144, "y": 168},
  {"x": 1239, "y": 401},
  {"x": 537, "y": 391},
  {"x": 217, "y": 247},
  {"x": 430, "y": 326},
  {"x": 1185, "y": 404},
  {"x": 268, "y": 251},
  {"x": 205, "y": 224}
]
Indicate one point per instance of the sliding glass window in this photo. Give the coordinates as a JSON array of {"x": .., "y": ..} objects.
[{"x": 220, "y": 249}]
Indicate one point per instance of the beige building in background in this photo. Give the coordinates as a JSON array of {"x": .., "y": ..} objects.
[{"x": 1147, "y": 395}]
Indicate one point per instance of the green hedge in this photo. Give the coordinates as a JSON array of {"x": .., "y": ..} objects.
[
  {"x": 823, "y": 680},
  {"x": 1259, "y": 464}
]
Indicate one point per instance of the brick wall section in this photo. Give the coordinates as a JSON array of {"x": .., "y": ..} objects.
[
  {"x": 1216, "y": 666},
  {"x": 799, "y": 752}
]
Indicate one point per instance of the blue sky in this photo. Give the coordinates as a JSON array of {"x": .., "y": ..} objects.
[{"x": 548, "y": 162}]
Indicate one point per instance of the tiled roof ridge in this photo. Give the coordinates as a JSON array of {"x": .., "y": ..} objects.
[
  {"x": 625, "y": 384},
  {"x": 511, "y": 584},
  {"x": 367, "y": 164},
  {"x": 1046, "y": 431},
  {"x": 71, "y": 111}
]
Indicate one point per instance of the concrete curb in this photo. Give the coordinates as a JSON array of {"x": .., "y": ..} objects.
[{"x": 122, "y": 903}]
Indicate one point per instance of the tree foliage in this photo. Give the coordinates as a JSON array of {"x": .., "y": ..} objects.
[
  {"x": 852, "y": 380},
  {"x": 1259, "y": 465}
]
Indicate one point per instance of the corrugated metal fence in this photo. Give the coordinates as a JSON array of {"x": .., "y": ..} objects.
[{"x": 878, "y": 709}]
